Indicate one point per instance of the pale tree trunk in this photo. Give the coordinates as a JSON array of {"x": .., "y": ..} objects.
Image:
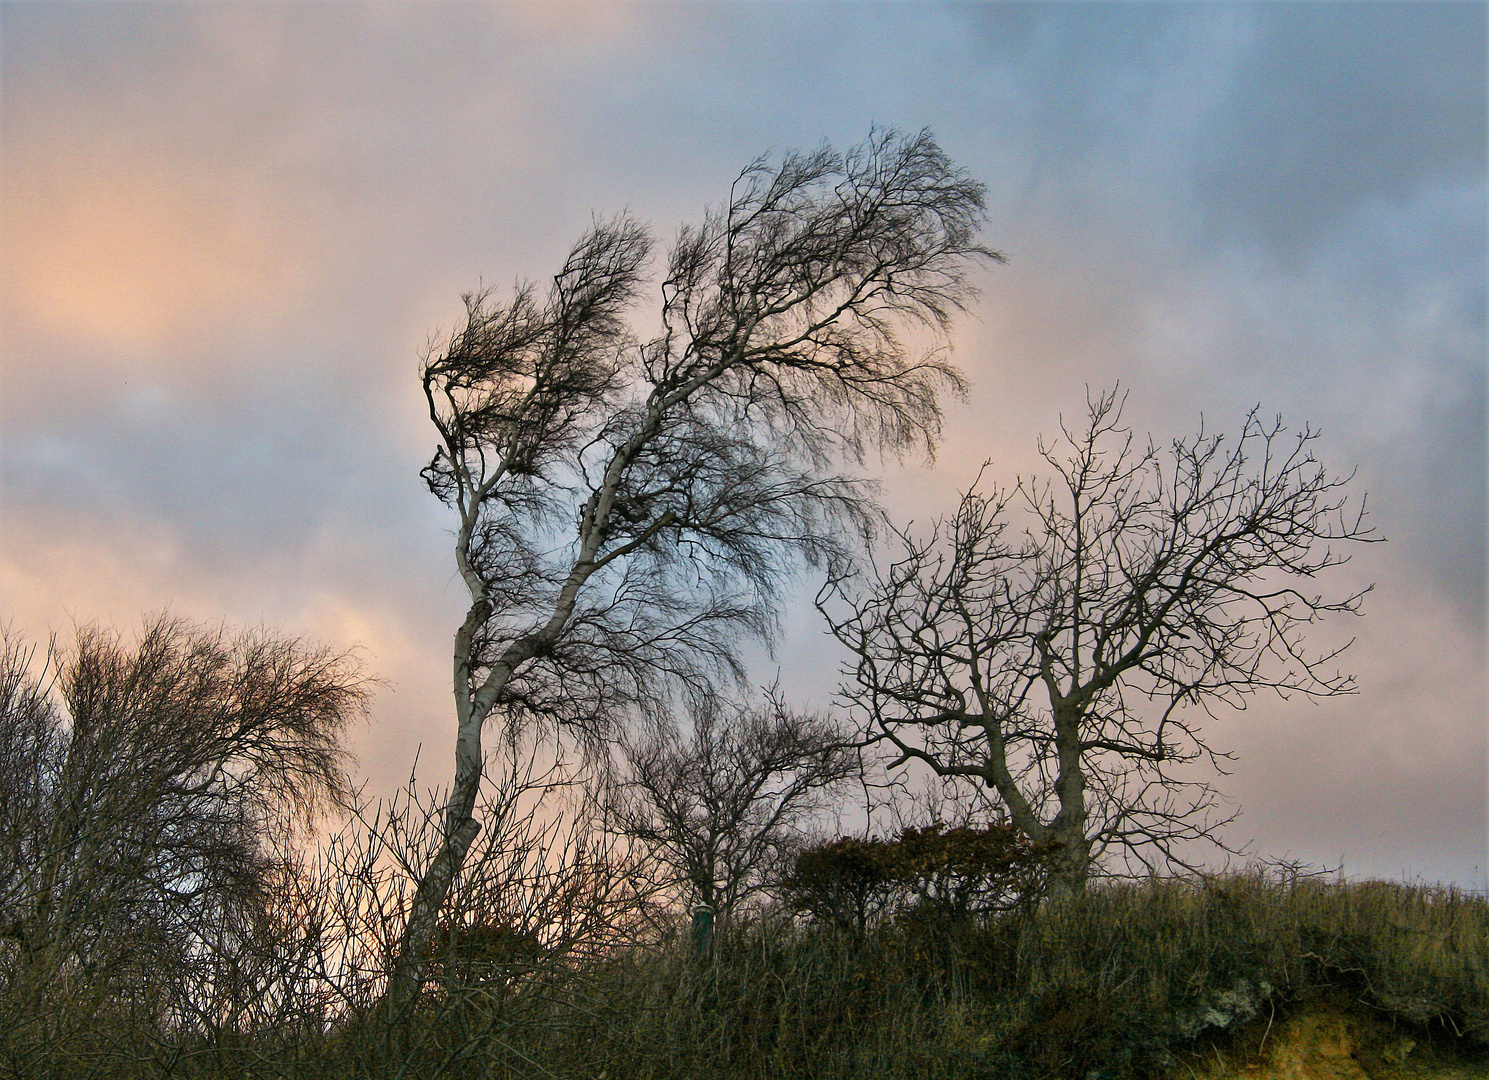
[
  {"x": 460, "y": 828},
  {"x": 459, "y": 832}
]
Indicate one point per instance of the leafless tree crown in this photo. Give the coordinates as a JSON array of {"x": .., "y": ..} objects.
[
  {"x": 728, "y": 804},
  {"x": 625, "y": 507},
  {"x": 1067, "y": 668}
]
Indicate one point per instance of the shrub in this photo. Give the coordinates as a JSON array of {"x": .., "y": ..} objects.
[
  {"x": 844, "y": 884},
  {"x": 937, "y": 872},
  {"x": 954, "y": 873}
]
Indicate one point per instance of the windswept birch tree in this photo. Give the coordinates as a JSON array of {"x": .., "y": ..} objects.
[
  {"x": 1061, "y": 642},
  {"x": 626, "y": 509}
]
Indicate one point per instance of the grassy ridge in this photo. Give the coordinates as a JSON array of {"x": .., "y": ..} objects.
[
  {"x": 1111, "y": 984},
  {"x": 1123, "y": 982}
]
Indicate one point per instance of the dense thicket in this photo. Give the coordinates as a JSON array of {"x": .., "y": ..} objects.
[{"x": 147, "y": 789}]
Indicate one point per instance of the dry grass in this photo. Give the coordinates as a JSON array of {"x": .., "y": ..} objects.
[
  {"x": 1126, "y": 981},
  {"x": 1112, "y": 984}
]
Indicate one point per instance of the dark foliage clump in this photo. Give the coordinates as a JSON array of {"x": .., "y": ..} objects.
[{"x": 935, "y": 873}]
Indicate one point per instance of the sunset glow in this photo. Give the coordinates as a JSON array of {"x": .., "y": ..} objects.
[{"x": 230, "y": 229}]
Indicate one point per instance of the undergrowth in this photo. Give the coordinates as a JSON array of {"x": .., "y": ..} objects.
[{"x": 1113, "y": 984}]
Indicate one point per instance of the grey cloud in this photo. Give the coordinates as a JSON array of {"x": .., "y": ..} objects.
[
  {"x": 1294, "y": 198},
  {"x": 1435, "y": 495},
  {"x": 245, "y": 486},
  {"x": 1282, "y": 118},
  {"x": 1335, "y": 105},
  {"x": 1091, "y": 69}
]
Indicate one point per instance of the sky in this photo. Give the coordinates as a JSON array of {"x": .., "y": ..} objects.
[{"x": 230, "y": 229}]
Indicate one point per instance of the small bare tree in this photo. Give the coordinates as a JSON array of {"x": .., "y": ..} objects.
[
  {"x": 727, "y": 805},
  {"x": 627, "y": 509},
  {"x": 1068, "y": 669}
]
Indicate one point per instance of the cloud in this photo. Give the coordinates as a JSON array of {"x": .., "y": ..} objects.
[
  {"x": 230, "y": 228},
  {"x": 127, "y": 255},
  {"x": 1332, "y": 107},
  {"x": 1390, "y": 782}
]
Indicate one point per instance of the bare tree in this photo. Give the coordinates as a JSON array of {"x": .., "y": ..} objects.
[
  {"x": 139, "y": 784},
  {"x": 1068, "y": 669},
  {"x": 628, "y": 509},
  {"x": 727, "y": 806}
]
